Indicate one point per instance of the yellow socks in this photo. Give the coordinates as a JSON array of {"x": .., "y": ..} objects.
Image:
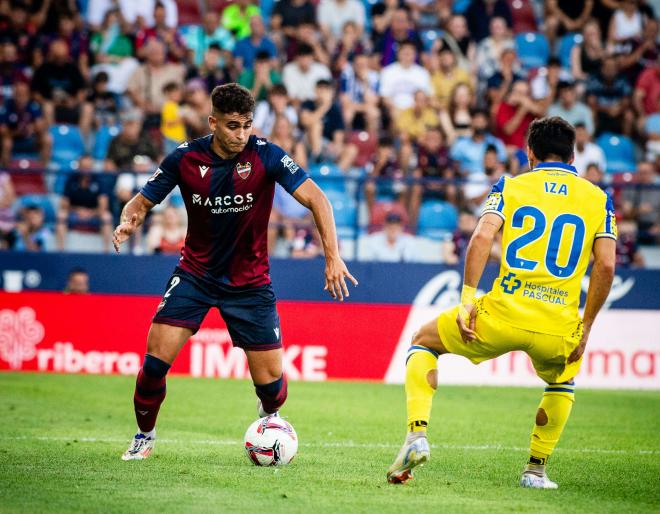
[
  {"x": 421, "y": 373},
  {"x": 551, "y": 418}
]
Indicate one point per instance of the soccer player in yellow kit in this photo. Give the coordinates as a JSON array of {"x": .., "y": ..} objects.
[{"x": 552, "y": 221}]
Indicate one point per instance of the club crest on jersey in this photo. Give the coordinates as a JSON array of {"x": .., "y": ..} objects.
[
  {"x": 244, "y": 170},
  {"x": 203, "y": 170}
]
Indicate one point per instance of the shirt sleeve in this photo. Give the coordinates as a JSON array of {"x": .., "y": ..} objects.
[
  {"x": 164, "y": 179},
  {"x": 283, "y": 169},
  {"x": 495, "y": 200},
  {"x": 607, "y": 227}
]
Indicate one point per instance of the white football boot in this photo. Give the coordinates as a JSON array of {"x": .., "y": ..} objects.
[
  {"x": 411, "y": 455},
  {"x": 536, "y": 481},
  {"x": 262, "y": 413},
  {"x": 140, "y": 447}
]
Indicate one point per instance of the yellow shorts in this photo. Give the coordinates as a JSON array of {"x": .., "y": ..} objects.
[{"x": 495, "y": 337}]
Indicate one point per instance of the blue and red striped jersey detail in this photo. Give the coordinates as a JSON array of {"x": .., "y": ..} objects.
[{"x": 228, "y": 202}]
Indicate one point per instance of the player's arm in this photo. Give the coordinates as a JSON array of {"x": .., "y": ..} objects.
[
  {"x": 311, "y": 196},
  {"x": 132, "y": 216},
  {"x": 602, "y": 274},
  {"x": 478, "y": 251}
]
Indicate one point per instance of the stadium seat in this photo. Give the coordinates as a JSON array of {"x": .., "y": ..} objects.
[
  {"x": 523, "y": 16},
  {"x": 429, "y": 37},
  {"x": 28, "y": 182},
  {"x": 189, "y": 12},
  {"x": 366, "y": 144},
  {"x": 533, "y": 49},
  {"x": 328, "y": 176},
  {"x": 566, "y": 44},
  {"x": 619, "y": 152},
  {"x": 68, "y": 146},
  {"x": 42, "y": 201},
  {"x": 345, "y": 211},
  {"x": 102, "y": 141},
  {"x": 437, "y": 219}
]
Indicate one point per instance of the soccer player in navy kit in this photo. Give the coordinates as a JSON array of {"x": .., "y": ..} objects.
[{"x": 227, "y": 180}]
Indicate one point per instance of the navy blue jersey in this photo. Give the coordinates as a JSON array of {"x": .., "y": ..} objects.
[{"x": 228, "y": 203}]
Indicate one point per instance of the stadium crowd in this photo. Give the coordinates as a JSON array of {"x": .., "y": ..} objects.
[{"x": 405, "y": 113}]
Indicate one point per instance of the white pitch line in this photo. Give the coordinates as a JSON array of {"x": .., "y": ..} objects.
[{"x": 338, "y": 444}]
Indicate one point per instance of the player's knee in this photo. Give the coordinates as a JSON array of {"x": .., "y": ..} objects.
[
  {"x": 154, "y": 367},
  {"x": 541, "y": 418},
  {"x": 432, "y": 378}
]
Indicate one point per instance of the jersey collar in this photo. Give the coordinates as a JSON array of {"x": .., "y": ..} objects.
[{"x": 556, "y": 166}]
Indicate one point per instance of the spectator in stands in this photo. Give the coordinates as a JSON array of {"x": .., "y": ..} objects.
[
  {"x": 138, "y": 14},
  {"x": 301, "y": 75},
  {"x": 287, "y": 217},
  {"x": 385, "y": 174},
  {"x": 236, "y": 17},
  {"x": 447, "y": 75},
  {"x": 215, "y": 69},
  {"x": 481, "y": 12},
  {"x": 594, "y": 174},
  {"x": 261, "y": 78},
  {"x": 145, "y": 88},
  {"x": 22, "y": 32},
  {"x": 436, "y": 169},
  {"x": 568, "y": 107},
  {"x": 175, "y": 48},
  {"x": 347, "y": 49},
  {"x": 564, "y": 16},
  {"x": 469, "y": 151},
  {"x": 77, "y": 282},
  {"x": 59, "y": 86},
  {"x": 32, "y": 234},
  {"x": 113, "y": 52},
  {"x": 324, "y": 126},
  {"x": 198, "y": 101},
  {"x": 651, "y": 131},
  {"x": 515, "y": 114},
  {"x": 391, "y": 244},
  {"x": 456, "y": 120},
  {"x": 400, "y": 33},
  {"x": 489, "y": 51},
  {"x": 586, "y": 57},
  {"x": 247, "y": 48},
  {"x": 332, "y": 16},
  {"x": 7, "y": 216},
  {"x": 479, "y": 186},
  {"x": 104, "y": 103},
  {"x": 11, "y": 70},
  {"x": 545, "y": 84},
  {"x": 358, "y": 95},
  {"x": 23, "y": 129},
  {"x": 289, "y": 14},
  {"x": 642, "y": 203},
  {"x": 267, "y": 111},
  {"x": 298, "y": 243},
  {"x": 400, "y": 80},
  {"x": 173, "y": 116},
  {"x": 640, "y": 53},
  {"x": 84, "y": 206},
  {"x": 167, "y": 232},
  {"x": 608, "y": 95},
  {"x": 627, "y": 247},
  {"x": 381, "y": 17},
  {"x": 412, "y": 123},
  {"x": 77, "y": 40},
  {"x": 647, "y": 92},
  {"x": 209, "y": 33},
  {"x": 586, "y": 152},
  {"x": 500, "y": 82},
  {"x": 457, "y": 39},
  {"x": 626, "y": 23},
  {"x": 467, "y": 222},
  {"x": 283, "y": 136},
  {"x": 131, "y": 145}
]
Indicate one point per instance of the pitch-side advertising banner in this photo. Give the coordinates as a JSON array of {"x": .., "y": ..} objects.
[{"x": 106, "y": 334}]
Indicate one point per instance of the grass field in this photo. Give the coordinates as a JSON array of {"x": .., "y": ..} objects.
[{"x": 61, "y": 438}]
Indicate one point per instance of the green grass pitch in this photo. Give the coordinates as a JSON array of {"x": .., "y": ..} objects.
[{"x": 61, "y": 438}]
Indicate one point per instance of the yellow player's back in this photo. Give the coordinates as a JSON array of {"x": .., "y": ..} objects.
[{"x": 551, "y": 219}]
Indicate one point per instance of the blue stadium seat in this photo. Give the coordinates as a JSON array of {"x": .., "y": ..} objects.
[
  {"x": 566, "y": 44},
  {"x": 328, "y": 176},
  {"x": 42, "y": 201},
  {"x": 68, "y": 146},
  {"x": 619, "y": 152},
  {"x": 437, "y": 219},
  {"x": 102, "y": 141},
  {"x": 533, "y": 49},
  {"x": 430, "y": 36},
  {"x": 345, "y": 211}
]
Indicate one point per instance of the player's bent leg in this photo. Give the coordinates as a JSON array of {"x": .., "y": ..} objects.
[
  {"x": 163, "y": 345},
  {"x": 270, "y": 383},
  {"x": 421, "y": 383},
  {"x": 551, "y": 418}
]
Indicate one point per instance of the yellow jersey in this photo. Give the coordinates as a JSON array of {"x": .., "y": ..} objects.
[{"x": 551, "y": 219}]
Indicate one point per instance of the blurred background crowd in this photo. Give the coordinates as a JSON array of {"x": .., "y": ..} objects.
[{"x": 404, "y": 112}]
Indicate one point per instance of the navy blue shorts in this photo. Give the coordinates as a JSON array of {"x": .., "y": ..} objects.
[{"x": 250, "y": 314}]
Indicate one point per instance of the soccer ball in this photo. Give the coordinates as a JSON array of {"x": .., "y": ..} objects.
[{"x": 271, "y": 441}]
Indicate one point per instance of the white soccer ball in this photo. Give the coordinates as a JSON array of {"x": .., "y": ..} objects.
[{"x": 271, "y": 441}]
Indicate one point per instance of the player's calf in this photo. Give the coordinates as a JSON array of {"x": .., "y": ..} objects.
[{"x": 150, "y": 390}]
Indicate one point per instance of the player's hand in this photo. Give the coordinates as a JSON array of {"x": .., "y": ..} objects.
[
  {"x": 336, "y": 273},
  {"x": 579, "y": 350},
  {"x": 124, "y": 231},
  {"x": 466, "y": 320}
]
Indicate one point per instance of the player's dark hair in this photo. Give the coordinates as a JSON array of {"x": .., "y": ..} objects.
[
  {"x": 232, "y": 97},
  {"x": 551, "y": 136}
]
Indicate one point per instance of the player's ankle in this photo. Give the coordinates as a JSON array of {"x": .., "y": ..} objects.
[
  {"x": 536, "y": 464},
  {"x": 413, "y": 436},
  {"x": 150, "y": 433}
]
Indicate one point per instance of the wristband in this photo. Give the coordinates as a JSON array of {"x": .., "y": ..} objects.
[{"x": 467, "y": 295}]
